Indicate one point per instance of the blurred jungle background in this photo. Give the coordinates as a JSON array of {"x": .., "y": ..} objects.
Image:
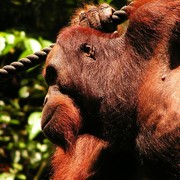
[{"x": 27, "y": 26}]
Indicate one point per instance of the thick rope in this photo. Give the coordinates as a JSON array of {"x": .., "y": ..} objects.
[{"x": 23, "y": 64}]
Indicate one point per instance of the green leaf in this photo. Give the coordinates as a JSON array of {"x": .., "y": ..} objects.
[
  {"x": 10, "y": 38},
  {"x": 45, "y": 43},
  {"x": 8, "y": 49},
  {"x": 4, "y": 118},
  {"x": 7, "y": 176},
  {"x": 24, "y": 92},
  {"x": 34, "y": 127},
  {"x": 2, "y": 44},
  {"x": 17, "y": 166},
  {"x": 105, "y": 1},
  {"x": 21, "y": 177},
  {"x": 17, "y": 157},
  {"x": 25, "y": 53},
  {"x": 32, "y": 44},
  {"x": 35, "y": 157}
]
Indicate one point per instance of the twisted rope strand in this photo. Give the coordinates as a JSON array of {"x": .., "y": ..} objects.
[{"x": 23, "y": 64}]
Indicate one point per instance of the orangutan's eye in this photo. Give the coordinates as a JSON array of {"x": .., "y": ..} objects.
[{"x": 88, "y": 49}]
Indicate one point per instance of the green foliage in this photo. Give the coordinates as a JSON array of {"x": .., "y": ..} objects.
[
  {"x": 10, "y": 41},
  {"x": 24, "y": 151},
  {"x": 105, "y": 1}
]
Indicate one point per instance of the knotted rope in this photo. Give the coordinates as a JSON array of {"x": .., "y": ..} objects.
[{"x": 23, "y": 64}]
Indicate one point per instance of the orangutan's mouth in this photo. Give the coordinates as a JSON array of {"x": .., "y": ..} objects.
[{"x": 45, "y": 120}]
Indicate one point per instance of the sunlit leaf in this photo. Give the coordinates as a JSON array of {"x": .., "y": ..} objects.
[
  {"x": 10, "y": 38},
  {"x": 32, "y": 44},
  {"x": 25, "y": 153},
  {"x": 2, "y": 44},
  {"x": 17, "y": 157},
  {"x": 105, "y": 1},
  {"x": 4, "y": 138},
  {"x": 42, "y": 147},
  {"x": 7, "y": 176},
  {"x": 14, "y": 121},
  {"x": 17, "y": 166},
  {"x": 16, "y": 2},
  {"x": 34, "y": 127},
  {"x": 2, "y": 103},
  {"x": 35, "y": 157},
  {"x": 45, "y": 43},
  {"x": 24, "y": 92},
  {"x": 22, "y": 145},
  {"x": 25, "y": 53},
  {"x": 21, "y": 177},
  {"x": 4, "y": 118},
  {"x": 8, "y": 49}
]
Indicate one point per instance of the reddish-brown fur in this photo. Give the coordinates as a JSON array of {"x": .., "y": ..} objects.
[
  {"x": 113, "y": 105},
  {"x": 77, "y": 164}
]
